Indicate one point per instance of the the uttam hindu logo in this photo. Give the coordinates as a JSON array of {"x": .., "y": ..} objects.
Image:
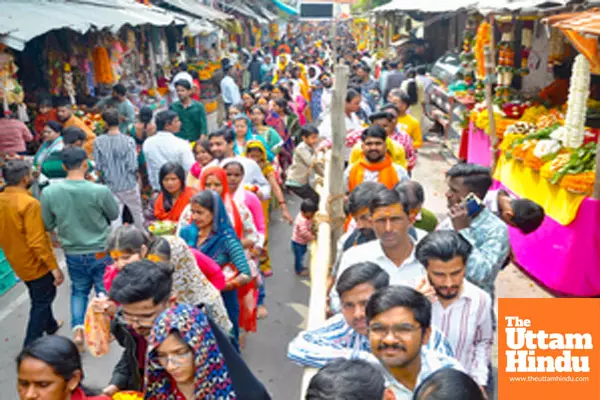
[
  {"x": 548, "y": 349},
  {"x": 523, "y": 341}
]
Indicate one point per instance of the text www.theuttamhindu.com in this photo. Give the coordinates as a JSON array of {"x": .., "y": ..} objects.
[{"x": 531, "y": 378}]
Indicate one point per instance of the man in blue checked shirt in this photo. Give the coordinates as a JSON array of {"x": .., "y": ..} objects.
[{"x": 345, "y": 335}]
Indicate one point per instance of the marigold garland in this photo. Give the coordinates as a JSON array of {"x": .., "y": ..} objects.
[
  {"x": 579, "y": 183},
  {"x": 483, "y": 39}
]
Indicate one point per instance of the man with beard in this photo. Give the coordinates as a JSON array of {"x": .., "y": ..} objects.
[
  {"x": 345, "y": 335},
  {"x": 394, "y": 249},
  {"x": 27, "y": 248},
  {"x": 221, "y": 147},
  {"x": 386, "y": 120},
  {"x": 399, "y": 320},
  {"x": 462, "y": 310},
  {"x": 480, "y": 227},
  {"x": 375, "y": 164},
  {"x": 64, "y": 112}
]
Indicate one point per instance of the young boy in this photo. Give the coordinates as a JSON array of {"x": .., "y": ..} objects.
[
  {"x": 303, "y": 234},
  {"x": 304, "y": 160},
  {"x": 523, "y": 214}
]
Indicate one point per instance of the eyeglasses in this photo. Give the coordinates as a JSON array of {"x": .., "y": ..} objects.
[
  {"x": 177, "y": 360},
  {"x": 146, "y": 321},
  {"x": 398, "y": 331}
]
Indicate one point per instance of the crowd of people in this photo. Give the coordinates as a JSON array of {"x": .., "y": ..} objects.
[{"x": 182, "y": 273}]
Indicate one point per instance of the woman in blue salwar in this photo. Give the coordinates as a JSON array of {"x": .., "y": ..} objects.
[{"x": 211, "y": 233}]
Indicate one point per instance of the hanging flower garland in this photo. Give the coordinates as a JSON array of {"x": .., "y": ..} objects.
[
  {"x": 68, "y": 83},
  {"x": 526, "y": 44},
  {"x": 482, "y": 40},
  {"x": 506, "y": 64},
  {"x": 102, "y": 67},
  {"x": 572, "y": 133}
]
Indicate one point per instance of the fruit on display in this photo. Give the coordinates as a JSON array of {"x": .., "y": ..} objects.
[
  {"x": 514, "y": 109},
  {"x": 572, "y": 133}
]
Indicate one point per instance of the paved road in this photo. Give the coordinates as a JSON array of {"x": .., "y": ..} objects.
[{"x": 287, "y": 297}]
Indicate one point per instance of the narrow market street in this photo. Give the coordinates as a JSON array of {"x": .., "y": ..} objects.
[{"x": 287, "y": 299}]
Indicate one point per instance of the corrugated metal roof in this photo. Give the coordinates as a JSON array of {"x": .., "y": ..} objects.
[
  {"x": 23, "y": 20},
  {"x": 196, "y": 8},
  {"x": 244, "y": 10},
  {"x": 424, "y": 5}
]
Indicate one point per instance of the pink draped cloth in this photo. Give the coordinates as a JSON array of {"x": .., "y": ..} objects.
[{"x": 210, "y": 269}]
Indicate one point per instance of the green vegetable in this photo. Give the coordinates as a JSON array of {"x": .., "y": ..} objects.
[{"x": 582, "y": 160}]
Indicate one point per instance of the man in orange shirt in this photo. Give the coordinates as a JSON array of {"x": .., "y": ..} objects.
[
  {"x": 27, "y": 248},
  {"x": 64, "y": 112}
]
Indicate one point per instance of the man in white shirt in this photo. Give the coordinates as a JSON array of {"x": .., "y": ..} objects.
[
  {"x": 181, "y": 74},
  {"x": 399, "y": 320},
  {"x": 165, "y": 147},
  {"x": 462, "y": 311},
  {"x": 394, "y": 251},
  {"x": 353, "y": 123},
  {"x": 229, "y": 89}
]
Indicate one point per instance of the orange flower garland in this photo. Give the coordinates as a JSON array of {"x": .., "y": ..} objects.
[
  {"x": 483, "y": 39},
  {"x": 579, "y": 183},
  {"x": 102, "y": 66}
]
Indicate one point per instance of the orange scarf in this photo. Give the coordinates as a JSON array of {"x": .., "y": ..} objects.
[
  {"x": 387, "y": 172},
  {"x": 173, "y": 215}
]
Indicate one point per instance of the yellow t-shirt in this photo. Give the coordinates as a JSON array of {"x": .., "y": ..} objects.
[
  {"x": 394, "y": 149},
  {"x": 412, "y": 126}
]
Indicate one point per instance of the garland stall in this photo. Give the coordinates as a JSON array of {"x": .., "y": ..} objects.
[{"x": 550, "y": 157}]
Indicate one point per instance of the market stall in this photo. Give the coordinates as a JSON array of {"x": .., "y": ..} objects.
[{"x": 548, "y": 154}]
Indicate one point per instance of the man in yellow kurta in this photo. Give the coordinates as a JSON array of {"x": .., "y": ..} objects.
[
  {"x": 394, "y": 149},
  {"x": 64, "y": 112}
]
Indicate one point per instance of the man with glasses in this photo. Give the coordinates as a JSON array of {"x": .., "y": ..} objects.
[
  {"x": 394, "y": 249},
  {"x": 143, "y": 290},
  {"x": 345, "y": 335},
  {"x": 399, "y": 323}
]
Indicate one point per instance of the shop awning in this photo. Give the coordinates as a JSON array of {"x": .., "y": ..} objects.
[
  {"x": 488, "y": 6},
  {"x": 23, "y": 20},
  {"x": 583, "y": 30},
  {"x": 243, "y": 9},
  {"x": 424, "y": 5},
  {"x": 195, "y": 7}
]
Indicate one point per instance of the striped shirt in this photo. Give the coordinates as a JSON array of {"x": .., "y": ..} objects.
[
  {"x": 116, "y": 159},
  {"x": 336, "y": 339},
  {"x": 467, "y": 323},
  {"x": 431, "y": 361}
]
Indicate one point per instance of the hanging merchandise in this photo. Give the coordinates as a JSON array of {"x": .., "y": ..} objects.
[
  {"x": 10, "y": 90},
  {"x": 68, "y": 83},
  {"x": 103, "y": 72},
  {"x": 557, "y": 48},
  {"x": 526, "y": 44},
  {"x": 482, "y": 40},
  {"x": 505, "y": 67},
  {"x": 116, "y": 59},
  {"x": 573, "y": 132}
]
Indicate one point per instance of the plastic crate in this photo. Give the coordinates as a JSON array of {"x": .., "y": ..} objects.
[{"x": 8, "y": 279}]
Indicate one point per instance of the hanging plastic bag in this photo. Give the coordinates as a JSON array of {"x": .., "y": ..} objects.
[{"x": 97, "y": 331}]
